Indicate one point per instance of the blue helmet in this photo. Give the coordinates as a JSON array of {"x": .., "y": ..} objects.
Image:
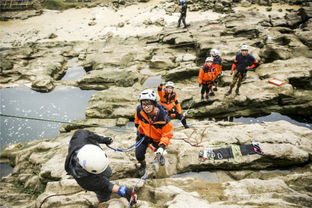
[{"x": 182, "y": 1}]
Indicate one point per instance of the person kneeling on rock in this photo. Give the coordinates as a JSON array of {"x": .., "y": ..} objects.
[
  {"x": 154, "y": 126},
  {"x": 89, "y": 165},
  {"x": 169, "y": 99}
]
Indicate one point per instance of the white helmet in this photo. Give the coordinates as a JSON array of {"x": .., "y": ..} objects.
[
  {"x": 209, "y": 59},
  {"x": 148, "y": 95},
  {"x": 244, "y": 48},
  {"x": 169, "y": 84},
  {"x": 92, "y": 158},
  {"x": 214, "y": 52}
]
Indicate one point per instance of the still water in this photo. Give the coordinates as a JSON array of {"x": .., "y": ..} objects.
[
  {"x": 271, "y": 118},
  {"x": 63, "y": 104}
]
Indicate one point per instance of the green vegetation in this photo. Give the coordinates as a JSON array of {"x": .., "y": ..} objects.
[
  {"x": 59, "y": 4},
  {"x": 31, "y": 191}
]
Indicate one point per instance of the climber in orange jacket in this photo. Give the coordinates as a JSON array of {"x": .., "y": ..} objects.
[
  {"x": 169, "y": 99},
  {"x": 217, "y": 61},
  {"x": 153, "y": 123},
  {"x": 206, "y": 77}
]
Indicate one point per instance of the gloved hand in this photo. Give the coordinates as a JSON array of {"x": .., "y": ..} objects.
[
  {"x": 129, "y": 194},
  {"x": 199, "y": 85},
  {"x": 160, "y": 150},
  {"x": 107, "y": 140},
  {"x": 180, "y": 116},
  {"x": 231, "y": 72}
]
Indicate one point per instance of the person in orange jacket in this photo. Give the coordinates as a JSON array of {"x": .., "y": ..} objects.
[
  {"x": 206, "y": 77},
  {"x": 217, "y": 61},
  {"x": 153, "y": 123},
  {"x": 169, "y": 99}
]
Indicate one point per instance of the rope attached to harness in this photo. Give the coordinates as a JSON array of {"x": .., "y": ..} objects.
[{"x": 132, "y": 147}]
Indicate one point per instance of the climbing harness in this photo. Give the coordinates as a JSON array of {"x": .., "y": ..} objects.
[
  {"x": 132, "y": 147},
  {"x": 230, "y": 152}
]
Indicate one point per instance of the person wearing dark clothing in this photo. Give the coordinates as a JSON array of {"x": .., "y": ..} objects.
[
  {"x": 89, "y": 165},
  {"x": 242, "y": 63},
  {"x": 183, "y": 14}
]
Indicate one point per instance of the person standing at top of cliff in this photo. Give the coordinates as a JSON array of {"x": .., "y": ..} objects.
[
  {"x": 242, "y": 63},
  {"x": 183, "y": 14}
]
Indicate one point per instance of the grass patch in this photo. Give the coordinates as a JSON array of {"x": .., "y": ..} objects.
[
  {"x": 31, "y": 191},
  {"x": 59, "y": 4}
]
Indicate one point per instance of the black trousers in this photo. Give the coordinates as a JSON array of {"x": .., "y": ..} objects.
[
  {"x": 205, "y": 89},
  {"x": 182, "y": 18},
  {"x": 140, "y": 151}
]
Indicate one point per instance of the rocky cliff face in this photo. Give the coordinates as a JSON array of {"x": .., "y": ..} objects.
[
  {"x": 252, "y": 179},
  {"x": 118, "y": 65}
]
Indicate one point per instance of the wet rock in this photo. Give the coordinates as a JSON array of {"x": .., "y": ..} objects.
[
  {"x": 112, "y": 103},
  {"x": 104, "y": 79},
  {"x": 5, "y": 64},
  {"x": 44, "y": 84}
]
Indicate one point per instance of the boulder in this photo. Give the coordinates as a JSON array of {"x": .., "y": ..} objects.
[
  {"x": 43, "y": 84},
  {"x": 103, "y": 79}
]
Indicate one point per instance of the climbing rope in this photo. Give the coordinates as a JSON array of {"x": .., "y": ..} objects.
[
  {"x": 65, "y": 194},
  {"x": 132, "y": 147},
  {"x": 49, "y": 120}
]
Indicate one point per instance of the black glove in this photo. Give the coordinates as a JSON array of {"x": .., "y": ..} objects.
[
  {"x": 199, "y": 85},
  {"x": 107, "y": 140},
  {"x": 180, "y": 116},
  {"x": 129, "y": 194}
]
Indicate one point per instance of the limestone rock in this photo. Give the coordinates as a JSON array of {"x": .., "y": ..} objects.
[{"x": 44, "y": 84}]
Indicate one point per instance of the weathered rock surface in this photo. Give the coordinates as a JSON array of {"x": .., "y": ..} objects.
[
  {"x": 118, "y": 67},
  {"x": 39, "y": 164}
]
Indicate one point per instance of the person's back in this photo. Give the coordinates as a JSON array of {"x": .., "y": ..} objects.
[{"x": 89, "y": 166}]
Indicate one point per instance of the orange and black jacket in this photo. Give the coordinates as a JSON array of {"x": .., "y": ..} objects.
[
  {"x": 160, "y": 130},
  {"x": 217, "y": 61},
  {"x": 169, "y": 100},
  {"x": 206, "y": 74}
]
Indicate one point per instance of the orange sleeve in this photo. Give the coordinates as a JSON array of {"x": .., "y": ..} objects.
[
  {"x": 166, "y": 134},
  {"x": 200, "y": 76},
  {"x": 159, "y": 89},
  {"x": 234, "y": 65},
  {"x": 136, "y": 119}
]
